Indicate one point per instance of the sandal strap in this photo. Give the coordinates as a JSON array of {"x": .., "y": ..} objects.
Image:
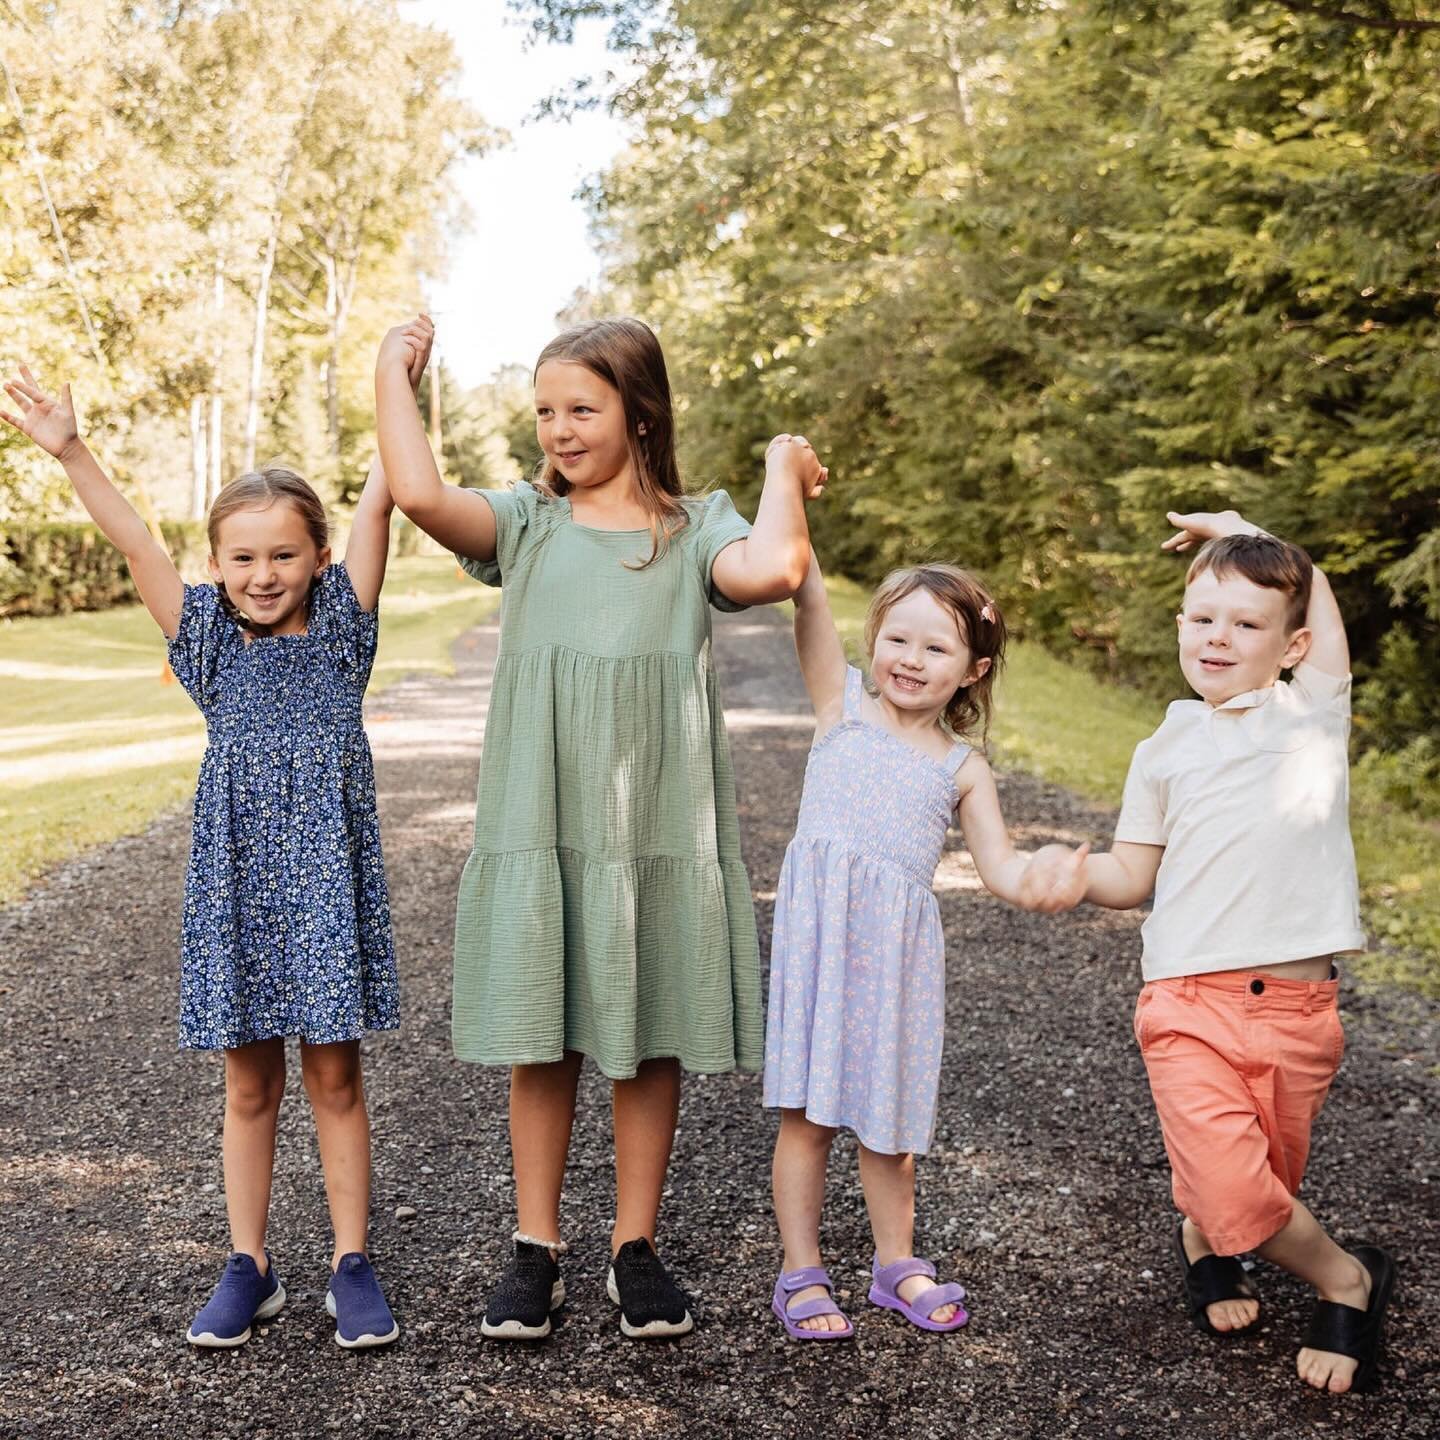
[
  {"x": 1213, "y": 1278},
  {"x": 890, "y": 1276},
  {"x": 1340, "y": 1329},
  {"x": 927, "y": 1302},
  {"x": 809, "y": 1309},
  {"x": 801, "y": 1279}
]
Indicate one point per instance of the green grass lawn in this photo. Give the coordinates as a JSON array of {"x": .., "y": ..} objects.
[
  {"x": 1061, "y": 723},
  {"x": 96, "y": 739}
]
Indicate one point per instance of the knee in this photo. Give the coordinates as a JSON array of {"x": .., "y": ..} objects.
[
  {"x": 797, "y": 1128},
  {"x": 254, "y": 1094},
  {"x": 334, "y": 1088}
]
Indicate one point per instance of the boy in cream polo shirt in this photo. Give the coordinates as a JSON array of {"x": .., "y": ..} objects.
[{"x": 1236, "y": 816}]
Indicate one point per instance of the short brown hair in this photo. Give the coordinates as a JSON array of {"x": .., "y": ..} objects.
[
  {"x": 626, "y": 355},
  {"x": 981, "y": 626},
  {"x": 1263, "y": 560},
  {"x": 259, "y": 490}
]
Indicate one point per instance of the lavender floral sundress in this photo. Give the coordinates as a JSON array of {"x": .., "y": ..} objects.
[{"x": 856, "y": 1017}]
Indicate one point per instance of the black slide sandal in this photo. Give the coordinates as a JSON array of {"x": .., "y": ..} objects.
[
  {"x": 1210, "y": 1279},
  {"x": 1344, "y": 1330}
]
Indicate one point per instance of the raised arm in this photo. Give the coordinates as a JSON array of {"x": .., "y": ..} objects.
[
  {"x": 50, "y": 423},
  {"x": 461, "y": 520},
  {"x": 817, "y": 643},
  {"x": 770, "y": 563},
  {"x": 1329, "y": 649},
  {"x": 369, "y": 548},
  {"x": 1050, "y": 880}
]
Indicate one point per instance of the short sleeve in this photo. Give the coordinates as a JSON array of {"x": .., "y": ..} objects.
[
  {"x": 515, "y": 514},
  {"x": 1318, "y": 690},
  {"x": 715, "y": 523},
  {"x": 348, "y": 633},
  {"x": 202, "y": 639},
  {"x": 1142, "y": 811}
]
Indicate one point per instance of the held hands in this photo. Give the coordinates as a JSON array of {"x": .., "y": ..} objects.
[
  {"x": 794, "y": 455},
  {"x": 1202, "y": 525},
  {"x": 1055, "y": 879},
  {"x": 408, "y": 345},
  {"x": 49, "y": 422}
]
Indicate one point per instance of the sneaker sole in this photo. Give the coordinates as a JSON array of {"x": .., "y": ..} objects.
[
  {"x": 516, "y": 1330},
  {"x": 656, "y": 1329},
  {"x": 362, "y": 1342},
  {"x": 209, "y": 1340}
]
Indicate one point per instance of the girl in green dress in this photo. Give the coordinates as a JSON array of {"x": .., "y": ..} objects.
[{"x": 604, "y": 910}]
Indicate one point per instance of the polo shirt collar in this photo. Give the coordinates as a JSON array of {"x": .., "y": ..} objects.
[{"x": 1248, "y": 700}]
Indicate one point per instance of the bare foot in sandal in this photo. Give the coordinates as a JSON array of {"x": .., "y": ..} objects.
[{"x": 1224, "y": 1315}]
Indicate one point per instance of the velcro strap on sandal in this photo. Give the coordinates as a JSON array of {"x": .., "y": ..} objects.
[
  {"x": 801, "y": 1279},
  {"x": 1213, "y": 1278},
  {"x": 809, "y": 1309},
  {"x": 927, "y": 1302},
  {"x": 891, "y": 1275},
  {"x": 1340, "y": 1329}
]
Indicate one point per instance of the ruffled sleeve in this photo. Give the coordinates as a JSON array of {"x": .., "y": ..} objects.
[
  {"x": 519, "y": 515},
  {"x": 348, "y": 633},
  {"x": 206, "y": 634},
  {"x": 714, "y": 524}
]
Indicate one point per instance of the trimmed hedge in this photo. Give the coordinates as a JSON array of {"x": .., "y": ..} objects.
[{"x": 58, "y": 567}]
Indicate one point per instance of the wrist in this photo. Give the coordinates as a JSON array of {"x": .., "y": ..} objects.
[{"x": 72, "y": 450}]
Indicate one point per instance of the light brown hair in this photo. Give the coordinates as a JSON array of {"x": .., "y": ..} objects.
[
  {"x": 1263, "y": 560},
  {"x": 981, "y": 626},
  {"x": 258, "y": 490},
  {"x": 626, "y": 355}
]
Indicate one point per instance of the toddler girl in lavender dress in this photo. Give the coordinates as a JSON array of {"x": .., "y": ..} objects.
[{"x": 857, "y": 967}]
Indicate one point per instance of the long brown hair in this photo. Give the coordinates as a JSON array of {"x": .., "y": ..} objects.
[
  {"x": 981, "y": 626},
  {"x": 626, "y": 355},
  {"x": 258, "y": 490}
]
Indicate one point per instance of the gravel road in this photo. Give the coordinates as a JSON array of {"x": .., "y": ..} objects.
[{"x": 1046, "y": 1192}]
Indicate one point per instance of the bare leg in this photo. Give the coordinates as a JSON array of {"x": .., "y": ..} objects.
[
  {"x": 1223, "y": 1314},
  {"x": 802, "y": 1153},
  {"x": 646, "y": 1109},
  {"x": 889, "y": 1182},
  {"x": 542, "y": 1112},
  {"x": 254, "y": 1087},
  {"x": 1304, "y": 1249},
  {"x": 337, "y": 1098}
]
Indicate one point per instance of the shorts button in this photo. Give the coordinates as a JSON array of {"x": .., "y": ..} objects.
[{"x": 1257, "y": 987}]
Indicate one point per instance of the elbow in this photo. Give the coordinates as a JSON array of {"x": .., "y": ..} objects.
[{"x": 793, "y": 570}]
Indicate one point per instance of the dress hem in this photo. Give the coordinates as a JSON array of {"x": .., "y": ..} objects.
[
  {"x": 292, "y": 1035},
  {"x": 471, "y": 1056},
  {"x": 833, "y": 1124}
]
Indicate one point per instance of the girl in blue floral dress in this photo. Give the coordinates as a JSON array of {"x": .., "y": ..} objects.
[{"x": 287, "y": 922}]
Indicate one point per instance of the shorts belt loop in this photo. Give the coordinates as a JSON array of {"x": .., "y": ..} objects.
[
  {"x": 1308, "y": 1003},
  {"x": 1189, "y": 991}
]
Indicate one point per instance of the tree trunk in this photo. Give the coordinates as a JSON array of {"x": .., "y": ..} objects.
[{"x": 197, "y": 457}]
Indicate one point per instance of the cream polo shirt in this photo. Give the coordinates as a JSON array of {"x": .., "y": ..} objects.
[{"x": 1251, "y": 801}]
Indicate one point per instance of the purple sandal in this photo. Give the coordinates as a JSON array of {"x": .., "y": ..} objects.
[
  {"x": 792, "y": 1280},
  {"x": 885, "y": 1293}
]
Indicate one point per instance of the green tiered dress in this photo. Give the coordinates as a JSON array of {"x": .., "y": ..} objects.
[{"x": 605, "y": 907}]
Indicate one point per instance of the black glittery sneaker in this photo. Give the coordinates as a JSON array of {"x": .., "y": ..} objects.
[
  {"x": 528, "y": 1291},
  {"x": 652, "y": 1306}
]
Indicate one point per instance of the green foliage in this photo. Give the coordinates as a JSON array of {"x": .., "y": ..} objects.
[
  {"x": 1030, "y": 275},
  {"x": 56, "y": 568}
]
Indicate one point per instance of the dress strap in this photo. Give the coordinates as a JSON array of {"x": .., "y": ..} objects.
[
  {"x": 959, "y": 753},
  {"x": 854, "y": 688}
]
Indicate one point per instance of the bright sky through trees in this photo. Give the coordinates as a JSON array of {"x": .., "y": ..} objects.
[{"x": 526, "y": 250}]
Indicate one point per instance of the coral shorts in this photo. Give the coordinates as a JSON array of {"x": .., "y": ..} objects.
[{"x": 1239, "y": 1066}]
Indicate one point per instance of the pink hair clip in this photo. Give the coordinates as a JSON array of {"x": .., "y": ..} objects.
[{"x": 987, "y": 613}]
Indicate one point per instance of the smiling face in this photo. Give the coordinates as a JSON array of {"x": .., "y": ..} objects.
[
  {"x": 580, "y": 424},
  {"x": 1234, "y": 636},
  {"x": 920, "y": 657},
  {"x": 266, "y": 558}
]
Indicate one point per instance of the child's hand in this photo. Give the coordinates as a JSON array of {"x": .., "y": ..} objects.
[
  {"x": 49, "y": 422},
  {"x": 793, "y": 454},
  {"x": 408, "y": 346},
  {"x": 1055, "y": 879},
  {"x": 1203, "y": 525}
]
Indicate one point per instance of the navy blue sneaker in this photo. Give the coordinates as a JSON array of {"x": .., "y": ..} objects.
[
  {"x": 242, "y": 1296},
  {"x": 355, "y": 1300}
]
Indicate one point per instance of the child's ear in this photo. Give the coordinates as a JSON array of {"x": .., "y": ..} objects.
[
  {"x": 978, "y": 672},
  {"x": 322, "y": 560},
  {"x": 1297, "y": 649},
  {"x": 214, "y": 565}
]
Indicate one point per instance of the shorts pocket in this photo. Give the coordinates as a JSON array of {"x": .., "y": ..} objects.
[
  {"x": 1140, "y": 1024},
  {"x": 1338, "y": 1031}
]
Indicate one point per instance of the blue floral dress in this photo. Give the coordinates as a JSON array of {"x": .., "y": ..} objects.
[{"x": 287, "y": 919}]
